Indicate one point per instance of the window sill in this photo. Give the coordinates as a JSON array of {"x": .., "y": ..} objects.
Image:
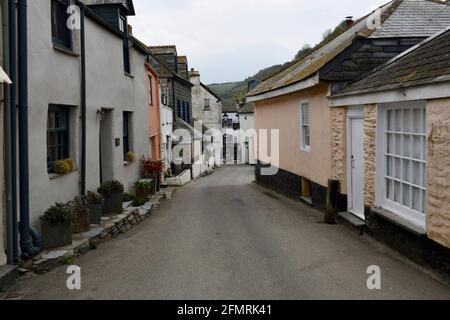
[
  {"x": 409, "y": 225},
  {"x": 308, "y": 150},
  {"x": 129, "y": 75},
  {"x": 54, "y": 176},
  {"x": 65, "y": 50}
]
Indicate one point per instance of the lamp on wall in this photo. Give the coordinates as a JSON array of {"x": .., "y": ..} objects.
[{"x": 100, "y": 114}]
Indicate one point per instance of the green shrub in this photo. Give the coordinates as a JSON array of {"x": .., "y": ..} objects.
[
  {"x": 128, "y": 197},
  {"x": 93, "y": 198},
  {"x": 59, "y": 214},
  {"x": 144, "y": 186}
]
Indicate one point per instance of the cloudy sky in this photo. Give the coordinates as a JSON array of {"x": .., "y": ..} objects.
[{"x": 229, "y": 40}]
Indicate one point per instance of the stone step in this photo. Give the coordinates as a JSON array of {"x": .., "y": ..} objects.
[{"x": 352, "y": 219}]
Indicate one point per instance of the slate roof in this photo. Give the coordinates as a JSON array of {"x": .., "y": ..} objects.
[
  {"x": 399, "y": 18},
  {"x": 426, "y": 63},
  {"x": 126, "y": 3},
  {"x": 164, "y": 49},
  {"x": 210, "y": 91},
  {"x": 247, "y": 108}
]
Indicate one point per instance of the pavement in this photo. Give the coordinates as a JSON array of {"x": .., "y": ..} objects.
[{"x": 223, "y": 237}]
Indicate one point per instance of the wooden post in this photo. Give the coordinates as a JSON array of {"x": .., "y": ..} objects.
[{"x": 332, "y": 202}]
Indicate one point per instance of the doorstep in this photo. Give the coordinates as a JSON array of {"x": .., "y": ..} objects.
[
  {"x": 353, "y": 220},
  {"x": 8, "y": 274}
]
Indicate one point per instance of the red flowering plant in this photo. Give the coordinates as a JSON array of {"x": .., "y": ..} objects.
[{"x": 150, "y": 168}]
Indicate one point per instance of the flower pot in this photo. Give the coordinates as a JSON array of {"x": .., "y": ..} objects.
[
  {"x": 81, "y": 223},
  {"x": 95, "y": 213},
  {"x": 56, "y": 235},
  {"x": 113, "y": 204},
  {"x": 142, "y": 194}
]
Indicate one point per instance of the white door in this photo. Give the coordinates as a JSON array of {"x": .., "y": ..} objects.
[{"x": 356, "y": 164}]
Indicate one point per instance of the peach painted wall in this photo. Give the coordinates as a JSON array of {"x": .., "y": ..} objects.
[
  {"x": 154, "y": 113},
  {"x": 283, "y": 113}
]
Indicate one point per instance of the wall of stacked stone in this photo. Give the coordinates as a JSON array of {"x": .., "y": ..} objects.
[
  {"x": 370, "y": 132},
  {"x": 438, "y": 162},
  {"x": 339, "y": 146}
]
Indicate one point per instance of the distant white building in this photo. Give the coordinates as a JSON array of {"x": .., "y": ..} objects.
[
  {"x": 207, "y": 109},
  {"x": 248, "y": 140}
]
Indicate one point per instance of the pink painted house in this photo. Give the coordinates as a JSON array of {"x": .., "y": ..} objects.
[{"x": 154, "y": 130}]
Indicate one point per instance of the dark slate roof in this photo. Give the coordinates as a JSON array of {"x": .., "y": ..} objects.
[
  {"x": 128, "y": 4},
  {"x": 247, "y": 108},
  {"x": 211, "y": 92},
  {"x": 426, "y": 63},
  {"x": 229, "y": 108},
  {"x": 399, "y": 18}
]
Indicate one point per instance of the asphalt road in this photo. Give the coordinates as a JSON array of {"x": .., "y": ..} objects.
[{"x": 223, "y": 237}]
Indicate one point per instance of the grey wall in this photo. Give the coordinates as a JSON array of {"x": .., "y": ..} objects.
[{"x": 54, "y": 78}]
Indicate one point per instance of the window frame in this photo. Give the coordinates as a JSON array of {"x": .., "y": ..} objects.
[
  {"x": 304, "y": 146},
  {"x": 66, "y": 40},
  {"x": 65, "y": 151},
  {"x": 408, "y": 213},
  {"x": 150, "y": 97},
  {"x": 206, "y": 104},
  {"x": 127, "y": 132}
]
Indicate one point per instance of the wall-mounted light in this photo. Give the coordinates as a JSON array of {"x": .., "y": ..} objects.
[{"x": 100, "y": 114}]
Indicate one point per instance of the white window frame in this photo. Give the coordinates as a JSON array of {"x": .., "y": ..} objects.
[
  {"x": 408, "y": 214},
  {"x": 303, "y": 146}
]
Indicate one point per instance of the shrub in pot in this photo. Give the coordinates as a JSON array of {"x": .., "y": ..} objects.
[
  {"x": 152, "y": 169},
  {"x": 81, "y": 219},
  {"x": 143, "y": 189},
  {"x": 56, "y": 226},
  {"x": 94, "y": 202},
  {"x": 112, "y": 192}
]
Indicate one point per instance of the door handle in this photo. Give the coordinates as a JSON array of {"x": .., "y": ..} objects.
[{"x": 353, "y": 162}]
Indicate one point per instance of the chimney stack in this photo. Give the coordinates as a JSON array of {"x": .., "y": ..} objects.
[{"x": 349, "y": 21}]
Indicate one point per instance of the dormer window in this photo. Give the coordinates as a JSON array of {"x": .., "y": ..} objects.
[{"x": 122, "y": 23}]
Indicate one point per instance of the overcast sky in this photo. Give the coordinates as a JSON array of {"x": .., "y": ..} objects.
[{"x": 229, "y": 40}]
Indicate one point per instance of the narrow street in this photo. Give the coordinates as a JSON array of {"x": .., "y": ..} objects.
[{"x": 223, "y": 237}]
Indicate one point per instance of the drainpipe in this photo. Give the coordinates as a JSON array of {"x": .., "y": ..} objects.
[
  {"x": 7, "y": 131},
  {"x": 13, "y": 122},
  {"x": 26, "y": 243},
  {"x": 83, "y": 101}
]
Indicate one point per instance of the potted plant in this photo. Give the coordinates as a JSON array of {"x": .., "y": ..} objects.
[
  {"x": 56, "y": 226},
  {"x": 143, "y": 189},
  {"x": 152, "y": 169},
  {"x": 130, "y": 157},
  {"x": 81, "y": 219},
  {"x": 63, "y": 167},
  {"x": 94, "y": 202},
  {"x": 112, "y": 192}
]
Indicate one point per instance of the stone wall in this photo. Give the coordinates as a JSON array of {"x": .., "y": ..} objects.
[
  {"x": 339, "y": 146},
  {"x": 370, "y": 131},
  {"x": 438, "y": 211}
]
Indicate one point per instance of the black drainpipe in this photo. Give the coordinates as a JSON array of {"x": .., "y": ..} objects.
[
  {"x": 7, "y": 131},
  {"x": 13, "y": 114},
  {"x": 83, "y": 100},
  {"x": 26, "y": 243}
]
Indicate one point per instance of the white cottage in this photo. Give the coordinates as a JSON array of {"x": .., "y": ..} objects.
[{"x": 116, "y": 100}]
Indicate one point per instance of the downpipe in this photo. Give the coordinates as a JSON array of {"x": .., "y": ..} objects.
[
  {"x": 12, "y": 21},
  {"x": 26, "y": 242}
]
